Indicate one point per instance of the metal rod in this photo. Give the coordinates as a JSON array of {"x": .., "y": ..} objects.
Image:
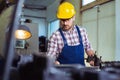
[
  {"x": 97, "y": 28},
  {"x": 10, "y": 40}
]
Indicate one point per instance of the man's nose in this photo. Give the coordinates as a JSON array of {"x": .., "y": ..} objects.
[{"x": 65, "y": 22}]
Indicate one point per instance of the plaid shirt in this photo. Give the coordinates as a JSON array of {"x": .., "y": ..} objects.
[{"x": 56, "y": 43}]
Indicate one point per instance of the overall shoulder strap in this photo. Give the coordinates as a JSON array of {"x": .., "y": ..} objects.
[
  {"x": 79, "y": 33},
  {"x": 64, "y": 39}
]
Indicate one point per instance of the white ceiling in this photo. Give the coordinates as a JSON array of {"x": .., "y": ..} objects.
[{"x": 37, "y": 4}]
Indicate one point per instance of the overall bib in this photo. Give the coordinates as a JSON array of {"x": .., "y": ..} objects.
[{"x": 71, "y": 54}]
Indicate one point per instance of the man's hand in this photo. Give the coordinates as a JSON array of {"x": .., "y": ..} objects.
[
  {"x": 91, "y": 63},
  {"x": 57, "y": 62},
  {"x": 93, "y": 60}
]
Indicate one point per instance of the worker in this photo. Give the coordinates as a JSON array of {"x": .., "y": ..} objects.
[{"x": 68, "y": 43}]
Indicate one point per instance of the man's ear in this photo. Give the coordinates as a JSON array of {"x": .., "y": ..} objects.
[{"x": 73, "y": 18}]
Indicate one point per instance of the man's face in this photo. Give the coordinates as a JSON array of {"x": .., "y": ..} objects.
[{"x": 67, "y": 24}]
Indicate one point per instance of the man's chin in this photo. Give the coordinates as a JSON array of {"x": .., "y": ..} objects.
[{"x": 65, "y": 29}]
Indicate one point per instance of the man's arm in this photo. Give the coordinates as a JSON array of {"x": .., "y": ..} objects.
[
  {"x": 53, "y": 47},
  {"x": 88, "y": 47},
  {"x": 90, "y": 53}
]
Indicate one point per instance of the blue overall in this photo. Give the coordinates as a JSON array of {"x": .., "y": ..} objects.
[{"x": 71, "y": 54}]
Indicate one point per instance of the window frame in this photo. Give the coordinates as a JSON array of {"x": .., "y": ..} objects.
[{"x": 92, "y": 4}]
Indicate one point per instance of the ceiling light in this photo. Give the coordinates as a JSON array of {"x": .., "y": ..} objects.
[{"x": 23, "y": 32}]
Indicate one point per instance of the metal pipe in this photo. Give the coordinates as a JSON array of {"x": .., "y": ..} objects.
[{"x": 10, "y": 41}]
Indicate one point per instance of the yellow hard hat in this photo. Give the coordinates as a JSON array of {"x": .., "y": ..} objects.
[{"x": 65, "y": 10}]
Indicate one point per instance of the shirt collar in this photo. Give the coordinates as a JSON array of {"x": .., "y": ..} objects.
[{"x": 70, "y": 31}]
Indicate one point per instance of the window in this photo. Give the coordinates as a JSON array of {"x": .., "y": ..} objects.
[
  {"x": 53, "y": 26},
  {"x": 84, "y": 2}
]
